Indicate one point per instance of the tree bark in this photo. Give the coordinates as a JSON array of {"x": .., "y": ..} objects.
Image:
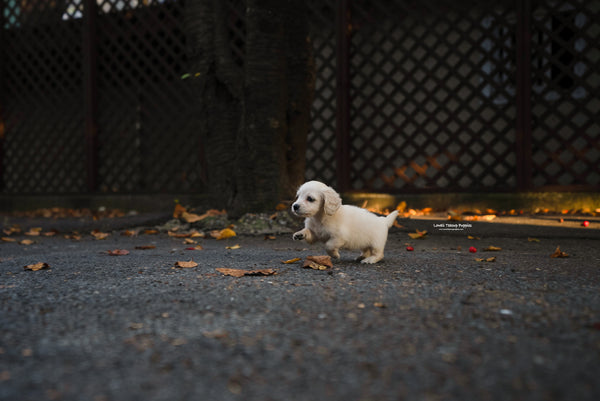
[{"x": 255, "y": 118}]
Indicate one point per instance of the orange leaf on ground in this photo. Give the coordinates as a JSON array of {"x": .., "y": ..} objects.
[
  {"x": 287, "y": 262},
  {"x": 492, "y": 248},
  {"x": 223, "y": 234},
  {"x": 37, "y": 266},
  {"x": 178, "y": 211},
  {"x": 559, "y": 254},
  {"x": 144, "y": 247},
  {"x": 241, "y": 272}
]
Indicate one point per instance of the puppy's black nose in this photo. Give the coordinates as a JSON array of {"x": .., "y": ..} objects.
[{"x": 295, "y": 206}]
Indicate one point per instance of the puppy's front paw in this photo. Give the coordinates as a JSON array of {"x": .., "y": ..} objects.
[{"x": 299, "y": 236}]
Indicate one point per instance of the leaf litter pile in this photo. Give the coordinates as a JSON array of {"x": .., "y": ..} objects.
[{"x": 190, "y": 236}]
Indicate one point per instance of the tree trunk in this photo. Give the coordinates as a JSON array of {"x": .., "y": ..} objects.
[{"x": 255, "y": 118}]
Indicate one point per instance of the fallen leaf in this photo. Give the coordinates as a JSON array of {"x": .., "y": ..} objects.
[
  {"x": 144, "y": 247},
  {"x": 281, "y": 206},
  {"x": 50, "y": 233},
  {"x": 492, "y": 259},
  {"x": 215, "y": 334},
  {"x": 99, "y": 235},
  {"x": 118, "y": 252},
  {"x": 379, "y": 305},
  {"x": 287, "y": 262},
  {"x": 186, "y": 265},
  {"x": 472, "y": 237},
  {"x": 7, "y": 239},
  {"x": 194, "y": 248},
  {"x": 34, "y": 231},
  {"x": 26, "y": 242},
  {"x": 189, "y": 241},
  {"x": 178, "y": 211},
  {"x": 223, "y": 234},
  {"x": 559, "y": 254},
  {"x": 533, "y": 240},
  {"x": 191, "y": 217},
  {"x": 129, "y": 233},
  {"x": 241, "y": 272},
  {"x": 270, "y": 237},
  {"x": 233, "y": 247},
  {"x": 74, "y": 236},
  {"x": 318, "y": 262},
  {"x": 37, "y": 266},
  {"x": 492, "y": 249},
  {"x": 418, "y": 234},
  {"x": 150, "y": 231}
]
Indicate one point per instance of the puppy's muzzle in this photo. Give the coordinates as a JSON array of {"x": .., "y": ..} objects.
[{"x": 295, "y": 208}]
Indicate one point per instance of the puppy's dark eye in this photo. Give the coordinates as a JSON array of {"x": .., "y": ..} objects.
[{"x": 310, "y": 199}]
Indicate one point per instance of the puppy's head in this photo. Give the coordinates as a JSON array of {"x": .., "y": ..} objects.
[{"x": 313, "y": 197}]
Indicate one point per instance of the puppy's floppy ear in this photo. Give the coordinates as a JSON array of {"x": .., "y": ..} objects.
[{"x": 331, "y": 201}]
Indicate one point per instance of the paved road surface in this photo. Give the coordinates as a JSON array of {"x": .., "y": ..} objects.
[{"x": 431, "y": 324}]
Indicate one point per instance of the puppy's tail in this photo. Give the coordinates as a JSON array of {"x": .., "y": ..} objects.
[{"x": 391, "y": 218}]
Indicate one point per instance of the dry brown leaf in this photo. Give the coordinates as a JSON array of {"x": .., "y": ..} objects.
[
  {"x": 241, "y": 272},
  {"x": 270, "y": 237},
  {"x": 418, "y": 234},
  {"x": 559, "y": 254},
  {"x": 74, "y": 236},
  {"x": 492, "y": 248},
  {"x": 188, "y": 241},
  {"x": 320, "y": 262},
  {"x": 129, "y": 233},
  {"x": 236, "y": 246},
  {"x": 50, "y": 233},
  {"x": 118, "y": 252},
  {"x": 34, "y": 231},
  {"x": 186, "y": 265},
  {"x": 37, "y": 266},
  {"x": 191, "y": 217},
  {"x": 533, "y": 240},
  {"x": 99, "y": 235},
  {"x": 472, "y": 237},
  {"x": 281, "y": 207},
  {"x": 7, "y": 239},
  {"x": 287, "y": 262},
  {"x": 26, "y": 242},
  {"x": 150, "y": 231}
]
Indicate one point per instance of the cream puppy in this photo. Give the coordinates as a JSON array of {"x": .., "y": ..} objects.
[{"x": 340, "y": 226}]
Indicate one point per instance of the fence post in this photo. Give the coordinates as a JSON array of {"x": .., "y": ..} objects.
[
  {"x": 523, "y": 97},
  {"x": 2, "y": 94},
  {"x": 343, "y": 95},
  {"x": 90, "y": 91}
]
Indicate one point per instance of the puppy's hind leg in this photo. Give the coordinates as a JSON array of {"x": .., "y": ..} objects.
[
  {"x": 365, "y": 254},
  {"x": 376, "y": 256}
]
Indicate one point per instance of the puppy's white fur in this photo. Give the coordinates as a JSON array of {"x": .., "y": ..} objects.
[{"x": 340, "y": 226}]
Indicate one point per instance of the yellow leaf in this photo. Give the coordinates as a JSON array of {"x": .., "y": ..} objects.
[
  {"x": 472, "y": 237},
  {"x": 7, "y": 239},
  {"x": 492, "y": 259},
  {"x": 287, "y": 262},
  {"x": 99, "y": 235},
  {"x": 233, "y": 247},
  {"x": 225, "y": 233},
  {"x": 493, "y": 248},
  {"x": 533, "y": 240},
  {"x": 418, "y": 234},
  {"x": 26, "y": 242}
]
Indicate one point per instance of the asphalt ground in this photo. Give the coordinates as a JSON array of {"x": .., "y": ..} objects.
[{"x": 429, "y": 324}]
